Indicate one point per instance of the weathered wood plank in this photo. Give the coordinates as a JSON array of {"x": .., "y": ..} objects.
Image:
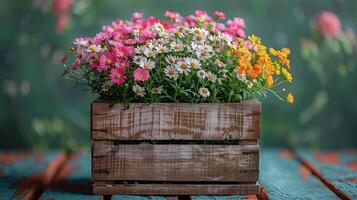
[
  {"x": 336, "y": 167},
  {"x": 145, "y": 162},
  {"x": 176, "y": 121},
  {"x": 73, "y": 181},
  {"x": 182, "y": 189},
  {"x": 284, "y": 178},
  {"x": 231, "y": 197}
]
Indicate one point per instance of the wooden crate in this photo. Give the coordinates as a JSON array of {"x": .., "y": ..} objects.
[{"x": 175, "y": 148}]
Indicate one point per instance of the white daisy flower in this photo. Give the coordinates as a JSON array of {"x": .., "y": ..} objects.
[
  {"x": 219, "y": 63},
  {"x": 202, "y": 74},
  {"x": 160, "y": 41},
  {"x": 81, "y": 42},
  {"x": 213, "y": 38},
  {"x": 137, "y": 59},
  {"x": 250, "y": 84},
  {"x": 171, "y": 59},
  {"x": 176, "y": 46},
  {"x": 198, "y": 32},
  {"x": 106, "y": 86},
  {"x": 157, "y": 27},
  {"x": 224, "y": 73},
  {"x": 226, "y": 38},
  {"x": 146, "y": 63},
  {"x": 170, "y": 40},
  {"x": 138, "y": 90},
  {"x": 149, "y": 52},
  {"x": 171, "y": 72},
  {"x": 139, "y": 49},
  {"x": 211, "y": 77},
  {"x": 199, "y": 39},
  {"x": 177, "y": 33},
  {"x": 204, "y": 92},
  {"x": 161, "y": 49},
  {"x": 94, "y": 48},
  {"x": 195, "y": 47},
  {"x": 183, "y": 67},
  {"x": 156, "y": 90},
  {"x": 207, "y": 48},
  {"x": 193, "y": 63},
  {"x": 203, "y": 55},
  {"x": 150, "y": 44},
  {"x": 242, "y": 77}
]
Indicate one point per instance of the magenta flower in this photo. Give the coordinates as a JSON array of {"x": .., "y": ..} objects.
[
  {"x": 219, "y": 15},
  {"x": 76, "y": 64},
  {"x": 141, "y": 74},
  {"x": 172, "y": 15},
  {"x": 118, "y": 75},
  {"x": 137, "y": 15},
  {"x": 123, "y": 51},
  {"x": 202, "y": 13},
  {"x": 236, "y": 27},
  {"x": 329, "y": 24}
]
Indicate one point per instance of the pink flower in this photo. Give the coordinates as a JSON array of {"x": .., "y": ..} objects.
[
  {"x": 122, "y": 62},
  {"x": 219, "y": 15},
  {"x": 137, "y": 15},
  {"x": 62, "y": 58},
  {"x": 236, "y": 27},
  {"x": 328, "y": 24},
  {"x": 123, "y": 51},
  {"x": 61, "y": 22},
  {"x": 141, "y": 74},
  {"x": 76, "y": 64},
  {"x": 172, "y": 15},
  {"x": 60, "y": 7},
  {"x": 118, "y": 75},
  {"x": 201, "y": 13}
]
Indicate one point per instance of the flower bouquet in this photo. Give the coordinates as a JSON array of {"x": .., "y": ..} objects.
[{"x": 176, "y": 113}]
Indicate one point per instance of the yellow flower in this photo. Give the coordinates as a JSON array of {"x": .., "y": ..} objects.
[
  {"x": 287, "y": 75},
  {"x": 277, "y": 72},
  {"x": 290, "y": 98},
  {"x": 270, "y": 81},
  {"x": 286, "y": 51},
  {"x": 254, "y": 39},
  {"x": 273, "y": 51}
]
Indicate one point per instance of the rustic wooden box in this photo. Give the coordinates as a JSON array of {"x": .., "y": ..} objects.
[{"x": 175, "y": 148}]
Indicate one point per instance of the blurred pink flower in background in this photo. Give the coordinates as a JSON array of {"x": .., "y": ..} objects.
[
  {"x": 328, "y": 24},
  {"x": 60, "y": 9}
]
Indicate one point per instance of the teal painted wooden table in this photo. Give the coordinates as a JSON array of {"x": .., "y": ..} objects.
[{"x": 284, "y": 174}]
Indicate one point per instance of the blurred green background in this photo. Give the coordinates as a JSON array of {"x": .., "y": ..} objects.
[{"x": 41, "y": 110}]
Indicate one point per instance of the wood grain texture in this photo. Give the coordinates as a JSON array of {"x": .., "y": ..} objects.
[
  {"x": 236, "y": 163},
  {"x": 176, "y": 121},
  {"x": 182, "y": 189},
  {"x": 333, "y": 166},
  {"x": 284, "y": 178}
]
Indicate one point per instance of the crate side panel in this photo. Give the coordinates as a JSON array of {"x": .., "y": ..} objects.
[
  {"x": 216, "y": 163},
  {"x": 176, "y": 121},
  {"x": 177, "y": 189}
]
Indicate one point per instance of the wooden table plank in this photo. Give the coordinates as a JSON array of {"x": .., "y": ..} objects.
[
  {"x": 233, "y": 197},
  {"x": 338, "y": 167},
  {"x": 74, "y": 180},
  {"x": 138, "y": 197},
  {"x": 283, "y": 177},
  {"x": 19, "y": 171}
]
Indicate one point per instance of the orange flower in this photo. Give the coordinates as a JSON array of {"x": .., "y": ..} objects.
[{"x": 290, "y": 98}]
